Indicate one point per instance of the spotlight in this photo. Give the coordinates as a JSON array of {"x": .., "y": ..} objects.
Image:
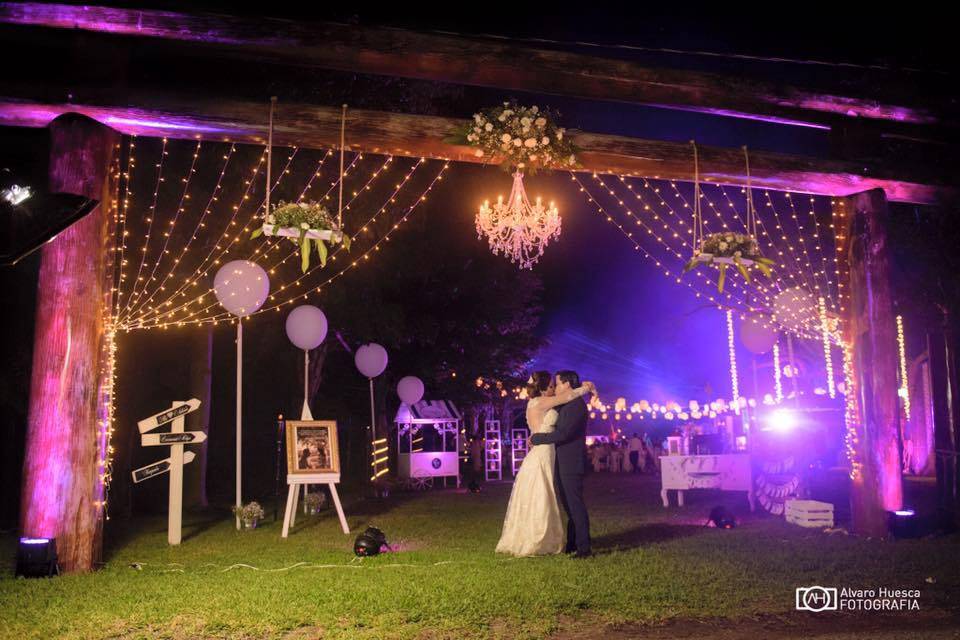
[
  {"x": 721, "y": 518},
  {"x": 904, "y": 523},
  {"x": 370, "y": 542},
  {"x": 15, "y": 194},
  {"x": 781, "y": 420},
  {"x": 29, "y": 218},
  {"x": 377, "y": 535},
  {"x": 37, "y": 558}
]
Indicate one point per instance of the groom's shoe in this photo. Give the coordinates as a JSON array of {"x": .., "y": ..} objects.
[{"x": 581, "y": 554}]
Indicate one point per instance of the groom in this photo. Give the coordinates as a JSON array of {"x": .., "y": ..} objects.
[{"x": 570, "y": 438}]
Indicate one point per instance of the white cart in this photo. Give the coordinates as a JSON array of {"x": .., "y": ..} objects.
[{"x": 428, "y": 443}]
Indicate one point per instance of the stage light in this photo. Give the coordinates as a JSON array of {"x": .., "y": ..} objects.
[
  {"x": 781, "y": 420},
  {"x": 37, "y": 558},
  {"x": 903, "y": 523},
  {"x": 370, "y": 543},
  {"x": 31, "y": 219},
  {"x": 721, "y": 518},
  {"x": 15, "y": 194}
]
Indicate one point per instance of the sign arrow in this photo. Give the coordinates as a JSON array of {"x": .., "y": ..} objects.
[
  {"x": 168, "y": 415},
  {"x": 159, "y": 468},
  {"x": 182, "y": 437}
]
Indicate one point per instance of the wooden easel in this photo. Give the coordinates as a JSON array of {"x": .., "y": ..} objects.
[
  {"x": 293, "y": 497},
  {"x": 295, "y": 481}
]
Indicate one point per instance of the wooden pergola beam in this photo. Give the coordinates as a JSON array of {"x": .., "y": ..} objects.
[
  {"x": 311, "y": 126},
  {"x": 473, "y": 61}
]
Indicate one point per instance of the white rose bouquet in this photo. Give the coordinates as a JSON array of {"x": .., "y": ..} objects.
[{"x": 521, "y": 138}]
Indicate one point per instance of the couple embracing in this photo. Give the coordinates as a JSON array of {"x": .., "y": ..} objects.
[{"x": 551, "y": 475}]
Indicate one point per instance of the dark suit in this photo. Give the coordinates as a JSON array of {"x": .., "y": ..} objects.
[{"x": 570, "y": 438}]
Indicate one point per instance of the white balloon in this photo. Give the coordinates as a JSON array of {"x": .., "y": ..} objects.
[
  {"x": 241, "y": 287},
  {"x": 796, "y": 309},
  {"x": 758, "y": 336},
  {"x": 410, "y": 389},
  {"x": 306, "y": 327},
  {"x": 371, "y": 360}
]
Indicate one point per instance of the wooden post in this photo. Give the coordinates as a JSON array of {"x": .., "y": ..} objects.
[
  {"x": 62, "y": 486},
  {"x": 870, "y": 330},
  {"x": 175, "y": 498},
  {"x": 946, "y": 420}
]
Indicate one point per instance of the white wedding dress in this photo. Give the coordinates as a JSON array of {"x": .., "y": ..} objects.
[{"x": 532, "y": 526}]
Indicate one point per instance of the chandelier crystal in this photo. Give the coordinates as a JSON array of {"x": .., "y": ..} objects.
[{"x": 517, "y": 229}]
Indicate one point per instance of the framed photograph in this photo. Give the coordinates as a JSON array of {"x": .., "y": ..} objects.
[
  {"x": 674, "y": 446},
  {"x": 312, "y": 447}
]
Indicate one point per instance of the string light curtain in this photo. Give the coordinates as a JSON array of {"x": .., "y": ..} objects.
[{"x": 795, "y": 230}]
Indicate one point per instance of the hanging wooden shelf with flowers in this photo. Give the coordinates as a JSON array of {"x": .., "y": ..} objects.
[
  {"x": 726, "y": 248},
  {"x": 305, "y": 224}
]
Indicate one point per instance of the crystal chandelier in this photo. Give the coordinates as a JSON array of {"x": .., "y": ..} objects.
[{"x": 517, "y": 229}]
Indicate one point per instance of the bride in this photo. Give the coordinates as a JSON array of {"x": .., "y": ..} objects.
[{"x": 533, "y": 525}]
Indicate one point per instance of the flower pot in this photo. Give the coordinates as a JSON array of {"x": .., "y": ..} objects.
[{"x": 251, "y": 523}]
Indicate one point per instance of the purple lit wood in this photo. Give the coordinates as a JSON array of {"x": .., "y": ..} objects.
[
  {"x": 484, "y": 62},
  {"x": 311, "y": 126},
  {"x": 872, "y": 330},
  {"x": 61, "y": 480}
]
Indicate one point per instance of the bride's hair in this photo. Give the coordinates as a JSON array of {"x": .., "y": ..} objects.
[{"x": 538, "y": 383}]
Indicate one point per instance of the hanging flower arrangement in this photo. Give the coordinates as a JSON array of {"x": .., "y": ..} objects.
[
  {"x": 725, "y": 249},
  {"x": 521, "y": 138},
  {"x": 304, "y": 223}
]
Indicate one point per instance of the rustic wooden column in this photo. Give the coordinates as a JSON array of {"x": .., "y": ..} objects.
[
  {"x": 870, "y": 331},
  {"x": 62, "y": 487}
]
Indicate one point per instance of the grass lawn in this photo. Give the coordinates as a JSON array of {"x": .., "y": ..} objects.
[{"x": 655, "y": 570}]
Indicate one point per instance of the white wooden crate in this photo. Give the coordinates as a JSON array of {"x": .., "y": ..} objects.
[{"x": 809, "y": 513}]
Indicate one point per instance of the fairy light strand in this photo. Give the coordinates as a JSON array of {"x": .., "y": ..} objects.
[
  {"x": 732, "y": 348},
  {"x": 164, "y": 251},
  {"x": 902, "y": 353},
  {"x": 150, "y": 217},
  {"x": 201, "y": 224},
  {"x": 777, "y": 373},
  {"x": 198, "y": 314},
  {"x": 827, "y": 356},
  {"x": 354, "y": 264}
]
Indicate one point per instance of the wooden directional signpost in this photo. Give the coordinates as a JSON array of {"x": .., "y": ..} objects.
[{"x": 173, "y": 465}]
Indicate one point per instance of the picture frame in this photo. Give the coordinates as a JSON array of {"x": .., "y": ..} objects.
[
  {"x": 312, "y": 447},
  {"x": 674, "y": 446}
]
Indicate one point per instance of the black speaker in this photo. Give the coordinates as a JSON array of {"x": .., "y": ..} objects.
[{"x": 37, "y": 558}]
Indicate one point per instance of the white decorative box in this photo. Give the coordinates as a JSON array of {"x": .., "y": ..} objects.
[{"x": 809, "y": 513}]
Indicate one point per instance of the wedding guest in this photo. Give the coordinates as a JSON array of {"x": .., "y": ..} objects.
[
  {"x": 635, "y": 447},
  {"x": 615, "y": 457}
]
